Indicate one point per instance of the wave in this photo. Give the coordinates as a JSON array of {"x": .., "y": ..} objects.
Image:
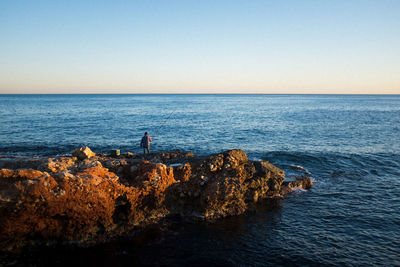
[{"x": 332, "y": 165}]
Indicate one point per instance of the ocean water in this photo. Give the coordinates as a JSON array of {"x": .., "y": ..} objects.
[{"x": 349, "y": 145}]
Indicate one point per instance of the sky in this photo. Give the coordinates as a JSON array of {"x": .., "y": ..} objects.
[{"x": 207, "y": 46}]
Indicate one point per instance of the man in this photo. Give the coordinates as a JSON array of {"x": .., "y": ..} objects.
[{"x": 145, "y": 143}]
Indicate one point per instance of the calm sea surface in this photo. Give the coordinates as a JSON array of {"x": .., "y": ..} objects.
[{"x": 349, "y": 144}]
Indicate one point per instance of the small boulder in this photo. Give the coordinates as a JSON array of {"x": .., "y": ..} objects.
[{"x": 83, "y": 153}]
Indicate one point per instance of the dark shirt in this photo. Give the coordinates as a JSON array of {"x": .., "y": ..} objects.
[{"x": 145, "y": 143}]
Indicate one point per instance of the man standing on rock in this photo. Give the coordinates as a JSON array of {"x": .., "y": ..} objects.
[{"x": 145, "y": 143}]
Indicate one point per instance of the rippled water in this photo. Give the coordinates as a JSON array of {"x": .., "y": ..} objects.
[{"x": 349, "y": 144}]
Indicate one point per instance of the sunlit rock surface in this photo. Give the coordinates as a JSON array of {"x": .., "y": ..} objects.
[
  {"x": 89, "y": 199},
  {"x": 83, "y": 153}
]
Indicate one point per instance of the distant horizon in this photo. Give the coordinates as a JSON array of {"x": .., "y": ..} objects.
[{"x": 371, "y": 94}]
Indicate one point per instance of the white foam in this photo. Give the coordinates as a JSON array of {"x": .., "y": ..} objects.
[
  {"x": 301, "y": 168},
  {"x": 175, "y": 164},
  {"x": 255, "y": 159},
  {"x": 298, "y": 190}
]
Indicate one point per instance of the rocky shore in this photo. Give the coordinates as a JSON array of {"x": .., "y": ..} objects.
[{"x": 89, "y": 198}]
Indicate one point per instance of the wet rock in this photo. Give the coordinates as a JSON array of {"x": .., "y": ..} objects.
[{"x": 301, "y": 182}]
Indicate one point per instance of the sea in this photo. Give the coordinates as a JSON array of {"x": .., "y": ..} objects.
[{"x": 348, "y": 144}]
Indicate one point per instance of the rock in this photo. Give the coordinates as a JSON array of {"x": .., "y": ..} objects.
[
  {"x": 57, "y": 164},
  {"x": 95, "y": 164},
  {"x": 83, "y": 153},
  {"x": 302, "y": 182},
  {"x": 20, "y": 163},
  {"x": 133, "y": 168},
  {"x": 183, "y": 172},
  {"x": 115, "y": 152},
  {"x": 83, "y": 202}
]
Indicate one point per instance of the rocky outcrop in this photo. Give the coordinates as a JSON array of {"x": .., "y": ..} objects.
[
  {"x": 83, "y": 153},
  {"x": 96, "y": 198}
]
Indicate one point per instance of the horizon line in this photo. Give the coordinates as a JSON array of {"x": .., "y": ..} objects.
[{"x": 394, "y": 94}]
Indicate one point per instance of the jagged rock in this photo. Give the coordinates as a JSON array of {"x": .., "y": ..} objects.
[
  {"x": 183, "y": 172},
  {"x": 83, "y": 153},
  {"x": 84, "y": 202},
  {"x": 57, "y": 164},
  {"x": 302, "y": 182}
]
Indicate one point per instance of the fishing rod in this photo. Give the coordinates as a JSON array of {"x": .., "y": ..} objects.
[{"x": 159, "y": 128}]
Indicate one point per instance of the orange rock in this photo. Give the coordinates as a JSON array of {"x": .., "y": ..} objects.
[
  {"x": 23, "y": 173},
  {"x": 6, "y": 173},
  {"x": 83, "y": 153},
  {"x": 82, "y": 201},
  {"x": 57, "y": 164}
]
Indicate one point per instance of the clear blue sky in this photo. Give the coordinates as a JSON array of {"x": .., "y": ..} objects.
[{"x": 170, "y": 46}]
